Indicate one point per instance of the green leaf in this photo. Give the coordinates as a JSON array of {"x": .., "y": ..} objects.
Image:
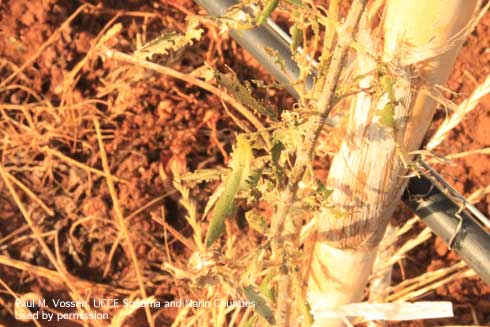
[
  {"x": 323, "y": 190},
  {"x": 257, "y": 222},
  {"x": 276, "y": 151},
  {"x": 254, "y": 177},
  {"x": 297, "y": 3},
  {"x": 261, "y": 306},
  {"x": 387, "y": 85},
  {"x": 386, "y": 115},
  {"x": 235, "y": 182},
  {"x": 296, "y": 36},
  {"x": 212, "y": 199},
  {"x": 269, "y": 7},
  {"x": 264, "y": 286}
]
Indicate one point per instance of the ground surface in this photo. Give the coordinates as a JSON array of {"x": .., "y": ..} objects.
[{"x": 151, "y": 124}]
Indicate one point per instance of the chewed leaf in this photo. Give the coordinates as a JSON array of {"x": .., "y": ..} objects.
[
  {"x": 172, "y": 41},
  {"x": 234, "y": 183},
  {"x": 205, "y": 72},
  {"x": 243, "y": 94},
  {"x": 257, "y": 222},
  {"x": 261, "y": 306}
]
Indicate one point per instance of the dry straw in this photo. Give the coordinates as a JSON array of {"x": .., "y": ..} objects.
[{"x": 459, "y": 114}]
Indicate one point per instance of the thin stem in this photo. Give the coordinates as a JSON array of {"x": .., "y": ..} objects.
[
  {"x": 121, "y": 221},
  {"x": 316, "y": 122},
  {"x": 305, "y": 154}
]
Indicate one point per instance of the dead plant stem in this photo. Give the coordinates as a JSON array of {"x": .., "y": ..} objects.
[
  {"x": 75, "y": 163},
  {"x": 56, "y": 278},
  {"x": 120, "y": 219},
  {"x": 192, "y": 80},
  {"x": 31, "y": 194}
]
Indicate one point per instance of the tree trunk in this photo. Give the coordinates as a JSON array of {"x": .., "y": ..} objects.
[{"x": 421, "y": 41}]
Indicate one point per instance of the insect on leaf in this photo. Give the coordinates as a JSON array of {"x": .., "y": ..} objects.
[
  {"x": 234, "y": 182},
  {"x": 261, "y": 306}
]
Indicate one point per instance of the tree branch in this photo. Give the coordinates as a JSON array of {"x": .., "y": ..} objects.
[{"x": 305, "y": 154}]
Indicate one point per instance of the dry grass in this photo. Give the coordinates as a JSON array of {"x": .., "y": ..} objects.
[
  {"x": 88, "y": 210},
  {"x": 51, "y": 148},
  {"x": 460, "y": 112}
]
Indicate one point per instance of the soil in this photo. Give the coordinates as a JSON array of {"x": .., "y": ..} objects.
[{"x": 153, "y": 126}]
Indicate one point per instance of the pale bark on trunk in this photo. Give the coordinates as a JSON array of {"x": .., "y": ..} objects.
[{"x": 367, "y": 174}]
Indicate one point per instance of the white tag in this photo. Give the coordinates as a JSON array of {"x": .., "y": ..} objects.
[{"x": 396, "y": 311}]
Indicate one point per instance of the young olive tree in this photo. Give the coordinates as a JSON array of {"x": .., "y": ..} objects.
[{"x": 379, "y": 68}]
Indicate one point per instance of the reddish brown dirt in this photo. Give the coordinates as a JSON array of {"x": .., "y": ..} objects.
[{"x": 162, "y": 124}]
